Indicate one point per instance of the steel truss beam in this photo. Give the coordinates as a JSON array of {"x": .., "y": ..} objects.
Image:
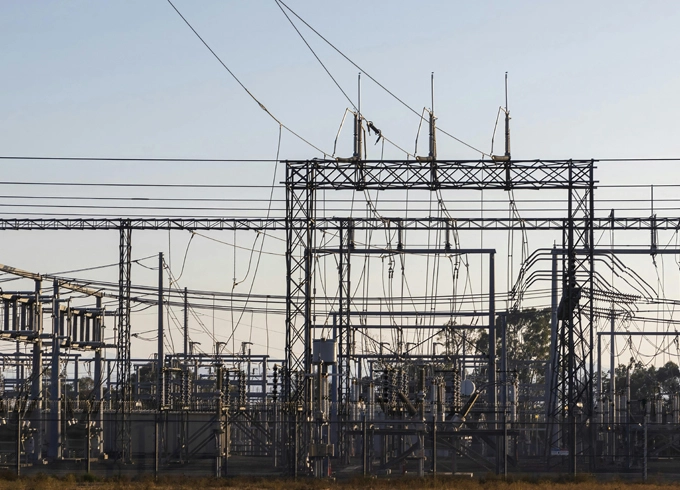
[
  {"x": 333, "y": 224},
  {"x": 439, "y": 174},
  {"x": 92, "y": 224}
]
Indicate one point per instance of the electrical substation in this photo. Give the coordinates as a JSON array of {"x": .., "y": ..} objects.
[{"x": 394, "y": 362}]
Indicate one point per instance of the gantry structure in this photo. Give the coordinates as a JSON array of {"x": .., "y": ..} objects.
[{"x": 572, "y": 382}]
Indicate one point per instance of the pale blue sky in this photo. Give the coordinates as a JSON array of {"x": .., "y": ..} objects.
[
  {"x": 128, "y": 79},
  {"x": 587, "y": 79}
]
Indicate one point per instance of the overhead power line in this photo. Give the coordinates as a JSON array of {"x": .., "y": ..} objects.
[
  {"x": 142, "y": 159},
  {"x": 374, "y": 80},
  {"x": 130, "y": 184},
  {"x": 317, "y": 58},
  {"x": 670, "y": 159},
  {"x": 260, "y": 160},
  {"x": 242, "y": 85},
  {"x": 381, "y": 134}
]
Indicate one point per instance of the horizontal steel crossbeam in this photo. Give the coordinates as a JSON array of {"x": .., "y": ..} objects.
[
  {"x": 207, "y": 224},
  {"x": 440, "y": 174}
]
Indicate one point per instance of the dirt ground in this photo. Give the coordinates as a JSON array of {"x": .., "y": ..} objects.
[{"x": 44, "y": 482}]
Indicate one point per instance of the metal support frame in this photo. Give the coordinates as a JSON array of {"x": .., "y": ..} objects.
[{"x": 304, "y": 178}]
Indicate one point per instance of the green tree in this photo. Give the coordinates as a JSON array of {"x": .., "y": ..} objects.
[
  {"x": 85, "y": 387},
  {"x": 528, "y": 343},
  {"x": 668, "y": 377},
  {"x": 647, "y": 382}
]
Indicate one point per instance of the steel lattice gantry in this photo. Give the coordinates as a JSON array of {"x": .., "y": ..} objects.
[{"x": 572, "y": 384}]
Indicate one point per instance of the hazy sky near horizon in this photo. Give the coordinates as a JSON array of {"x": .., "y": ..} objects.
[{"x": 128, "y": 78}]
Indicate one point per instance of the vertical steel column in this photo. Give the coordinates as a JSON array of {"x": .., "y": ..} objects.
[
  {"x": 503, "y": 447},
  {"x": 54, "y": 452},
  {"x": 98, "y": 378},
  {"x": 160, "y": 361},
  {"x": 299, "y": 244},
  {"x": 76, "y": 384},
  {"x": 37, "y": 371},
  {"x": 160, "y": 401},
  {"x": 219, "y": 431},
  {"x": 300, "y": 215},
  {"x": 334, "y": 426},
  {"x": 552, "y": 377},
  {"x": 612, "y": 389},
  {"x": 344, "y": 330},
  {"x": 434, "y": 443},
  {"x": 504, "y": 360},
  {"x": 124, "y": 366},
  {"x": 572, "y": 386},
  {"x": 18, "y": 441},
  {"x": 98, "y": 401},
  {"x": 185, "y": 368},
  {"x": 569, "y": 290},
  {"x": 599, "y": 420},
  {"x": 492, "y": 391},
  {"x": 586, "y": 347},
  {"x": 186, "y": 325},
  {"x": 88, "y": 439},
  {"x": 364, "y": 445}
]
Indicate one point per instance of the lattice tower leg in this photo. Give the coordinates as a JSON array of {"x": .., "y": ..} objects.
[{"x": 124, "y": 367}]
